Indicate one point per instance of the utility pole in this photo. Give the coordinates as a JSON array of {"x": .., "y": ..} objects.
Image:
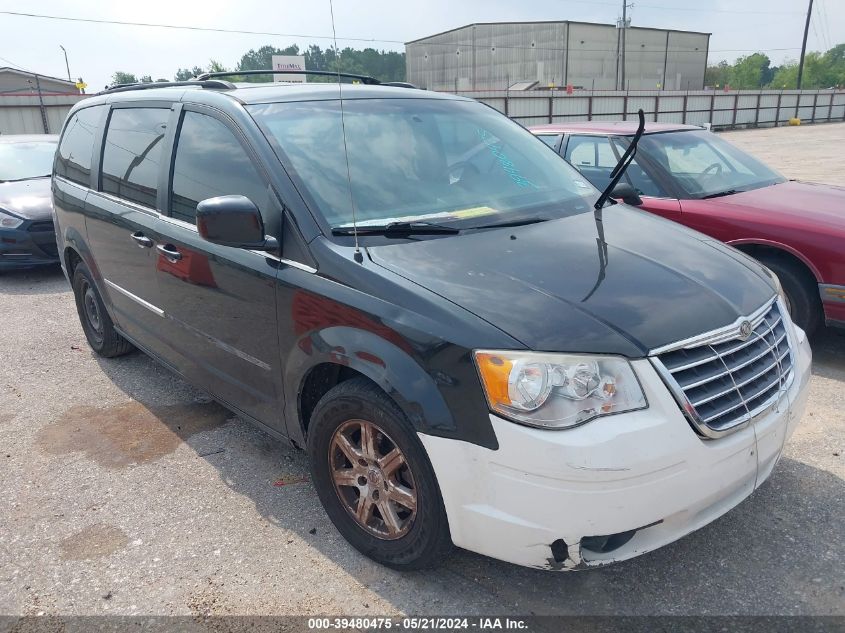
[
  {"x": 624, "y": 29},
  {"x": 804, "y": 45},
  {"x": 67, "y": 66},
  {"x": 41, "y": 106},
  {"x": 622, "y": 25}
]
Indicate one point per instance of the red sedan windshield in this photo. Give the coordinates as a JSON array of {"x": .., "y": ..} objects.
[{"x": 703, "y": 165}]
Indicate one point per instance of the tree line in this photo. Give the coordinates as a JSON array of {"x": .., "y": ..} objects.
[
  {"x": 383, "y": 65},
  {"x": 750, "y": 72}
]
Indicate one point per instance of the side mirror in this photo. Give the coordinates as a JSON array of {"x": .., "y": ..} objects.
[
  {"x": 627, "y": 193},
  {"x": 232, "y": 221}
]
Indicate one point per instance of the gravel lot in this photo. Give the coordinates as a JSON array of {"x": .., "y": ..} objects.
[{"x": 126, "y": 492}]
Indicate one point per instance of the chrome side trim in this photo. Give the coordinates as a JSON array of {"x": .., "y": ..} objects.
[
  {"x": 178, "y": 222},
  {"x": 71, "y": 183},
  {"x": 286, "y": 262},
  {"x": 719, "y": 335},
  {"x": 149, "y": 306},
  {"x": 128, "y": 203},
  {"x": 832, "y": 293}
]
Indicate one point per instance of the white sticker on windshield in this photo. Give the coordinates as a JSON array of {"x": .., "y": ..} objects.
[{"x": 580, "y": 183}]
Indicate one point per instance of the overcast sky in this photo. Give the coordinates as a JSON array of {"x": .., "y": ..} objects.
[{"x": 95, "y": 51}]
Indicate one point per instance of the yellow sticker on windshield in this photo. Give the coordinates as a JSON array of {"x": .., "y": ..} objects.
[{"x": 473, "y": 212}]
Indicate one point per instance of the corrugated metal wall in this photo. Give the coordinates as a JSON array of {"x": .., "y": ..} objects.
[
  {"x": 698, "y": 107},
  {"x": 495, "y": 56},
  {"x": 22, "y": 114}
]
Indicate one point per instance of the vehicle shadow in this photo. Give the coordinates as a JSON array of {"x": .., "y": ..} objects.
[
  {"x": 776, "y": 553},
  {"x": 829, "y": 353},
  {"x": 34, "y": 281}
]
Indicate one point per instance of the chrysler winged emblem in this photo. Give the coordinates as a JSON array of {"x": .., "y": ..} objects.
[{"x": 745, "y": 330}]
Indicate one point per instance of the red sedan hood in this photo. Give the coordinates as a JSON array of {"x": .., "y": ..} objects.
[{"x": 805, "y": 201}]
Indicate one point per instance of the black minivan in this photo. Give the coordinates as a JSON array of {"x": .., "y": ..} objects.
[{"x": 420, "y": 293}]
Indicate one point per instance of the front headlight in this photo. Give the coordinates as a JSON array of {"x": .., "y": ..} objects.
[
  {"x": 557, "y": 391},
  {"x": 8, "y": 221}
]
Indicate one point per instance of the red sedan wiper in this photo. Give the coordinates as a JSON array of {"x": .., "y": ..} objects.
[{"x": 719, "y": 194}]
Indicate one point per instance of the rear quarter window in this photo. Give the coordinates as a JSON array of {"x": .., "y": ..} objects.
[{"x": 73, "y": 159}]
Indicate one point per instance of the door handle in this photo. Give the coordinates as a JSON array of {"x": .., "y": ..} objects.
[
  {"x": 142, "y": 240},
  {"x": 169, "y": 252}
]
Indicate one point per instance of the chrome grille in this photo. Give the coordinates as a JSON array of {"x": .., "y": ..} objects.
[{"x": 722, "y": 383}]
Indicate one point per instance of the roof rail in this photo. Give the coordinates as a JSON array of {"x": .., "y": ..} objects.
[
  {"x": 364, "y": 79},
  {"x": 401, "y": 84},
  {"x": 213, "y": 84}
]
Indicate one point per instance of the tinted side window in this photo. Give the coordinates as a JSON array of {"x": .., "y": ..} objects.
[
  {"x": 550, "y": 139},
  {"x": 73, "y": 160},
  {"x": 592, "y": 156},
  {"x": 132, "y": 153},
  {"x": 590, "y": 151},
  {"x": 210, "y": 162}
]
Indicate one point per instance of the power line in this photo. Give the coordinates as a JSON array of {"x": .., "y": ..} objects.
[
  {"x": 382, "y": 41},
  {"x": 824, "y": 25},
  {"x": 189, "y": 28},
  {"x": 208, "y": 29},
  {"x": 702, "y": 10},
  {"x": 11, "y": 63}
]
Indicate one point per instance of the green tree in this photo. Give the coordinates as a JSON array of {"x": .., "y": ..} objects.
[
  {"x": 749, "y": 72},
  {"x": 184, "y": 74},
  {"x": 121, "y": 77},
  {"x": 146, "y": 79},
  {"x": 216, "y": 67},
  {"x": 717, "y": 76},
  {"x": 833, "y": 62},
  {"x": 815, "y": 73}
]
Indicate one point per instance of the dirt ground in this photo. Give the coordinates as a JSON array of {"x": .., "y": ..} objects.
[{"x": 125, "y": 491}]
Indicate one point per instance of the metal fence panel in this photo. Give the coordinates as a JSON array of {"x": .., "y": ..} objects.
[{"x": 700, "y": 107}]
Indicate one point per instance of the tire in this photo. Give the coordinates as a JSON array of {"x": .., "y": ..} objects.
[
  {"x": 96, "y": 322},
  {"x": 412, "y": 539},
  {"x": 805, "y": 306}
]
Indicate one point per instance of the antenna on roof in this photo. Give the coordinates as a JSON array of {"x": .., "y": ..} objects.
[{"x": 358, "y": 256}]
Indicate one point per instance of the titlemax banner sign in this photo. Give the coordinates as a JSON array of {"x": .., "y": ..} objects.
[{"x": 289, "y": 63}]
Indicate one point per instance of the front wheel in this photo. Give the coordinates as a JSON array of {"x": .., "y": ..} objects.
[
  {"x": 374, "y": 479},
  {"x": 802, "y": 295}
]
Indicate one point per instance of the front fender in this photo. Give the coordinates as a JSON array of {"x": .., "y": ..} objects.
[{"x": 382, "y": 361}]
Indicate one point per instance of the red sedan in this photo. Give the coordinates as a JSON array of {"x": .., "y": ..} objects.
[{"x": 694, "y": 177}]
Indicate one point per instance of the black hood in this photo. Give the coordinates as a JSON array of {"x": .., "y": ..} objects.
[
  {"x": 27, "y": 199},
  {"x": 549, "y": 288}
]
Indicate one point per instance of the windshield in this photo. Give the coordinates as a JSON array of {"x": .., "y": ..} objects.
[
  {"x": 420, "y": 160},
  {"x": 703, "y": 164},
  {"x": 19, "y": 161}
]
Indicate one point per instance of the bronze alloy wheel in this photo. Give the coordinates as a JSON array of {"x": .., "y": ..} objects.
[{"x": 372, "y": 479}]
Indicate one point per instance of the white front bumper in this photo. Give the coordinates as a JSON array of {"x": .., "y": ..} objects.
[{"x": 646, "y": 471}]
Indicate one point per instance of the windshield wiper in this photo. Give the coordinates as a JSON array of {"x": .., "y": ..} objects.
[
  {"x": 397, "y": 229},
  {"x": 622, "y": 165},
  {"x": 719, "y": 194},
  {"x": 522, "y": 222}
]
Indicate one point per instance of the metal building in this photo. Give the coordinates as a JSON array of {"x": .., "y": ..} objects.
[
  {"x": 33, "y": 103},
  {"x": 497, "y": 56}
]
